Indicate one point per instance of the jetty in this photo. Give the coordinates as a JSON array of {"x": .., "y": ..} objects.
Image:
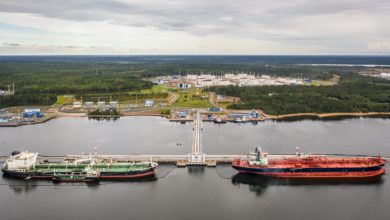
[
  {"x": 181, "y": 160},
  {"x": 195, "y": 158}
]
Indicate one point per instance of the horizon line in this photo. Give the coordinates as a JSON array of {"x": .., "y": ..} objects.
[{"x": 20, "y": 55}]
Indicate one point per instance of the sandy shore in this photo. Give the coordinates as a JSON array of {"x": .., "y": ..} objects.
[
  {"x": 328, "y": 115},
  {"x": 76, "y": 115}
]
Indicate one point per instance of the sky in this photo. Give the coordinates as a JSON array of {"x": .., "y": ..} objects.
[{"x": 226, "y": 27}]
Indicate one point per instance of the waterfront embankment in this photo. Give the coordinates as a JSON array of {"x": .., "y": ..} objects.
[
  {"x": 326, "y": 116},
  {"x": 224, "y": 114}
]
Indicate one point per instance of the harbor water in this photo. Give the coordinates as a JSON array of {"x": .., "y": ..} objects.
[{"x": 196, "y": 193}]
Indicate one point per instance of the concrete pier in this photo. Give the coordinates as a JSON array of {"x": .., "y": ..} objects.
[{"x": 179, "y": 160}]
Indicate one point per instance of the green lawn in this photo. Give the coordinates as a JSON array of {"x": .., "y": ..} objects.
[
  {"x": 155, "y": 89},
  {"x": 158, "y": 93},
  {"x": 188, "y": 98},
  {"x": 64, "y": 99}
]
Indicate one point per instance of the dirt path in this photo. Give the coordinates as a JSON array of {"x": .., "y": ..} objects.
[{"x": 173, "y": 97}]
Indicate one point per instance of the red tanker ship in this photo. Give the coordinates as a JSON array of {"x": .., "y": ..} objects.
[{"x": 311, "y": 167}]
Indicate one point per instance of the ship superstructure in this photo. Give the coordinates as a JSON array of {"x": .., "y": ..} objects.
[{"x": 21, "y": 161}]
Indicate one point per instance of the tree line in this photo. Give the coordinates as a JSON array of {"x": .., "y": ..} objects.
[
  {"x": 354, "y": 93},
  {"x": 40, "y": 83}
]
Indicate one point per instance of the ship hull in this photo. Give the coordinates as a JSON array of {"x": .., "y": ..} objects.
[
  {"x": 353, "y": 173},
  {"x": 103, "y": 175},
  {"x": 70, "y": 180},
  {"x": 317, "y": 175},
  {"x": 127, "y": 175},
  {"x": 29, "y": 175}
]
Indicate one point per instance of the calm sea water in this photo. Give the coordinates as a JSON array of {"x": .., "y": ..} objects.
[
  {"x": 209, "y": 193},
  {"x": 210, "y": 59},
  {"x": 155, "y": 135}
]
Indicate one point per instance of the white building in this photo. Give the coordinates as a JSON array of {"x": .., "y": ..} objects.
[
  {"x": 149, "y": 103},
  {"x": 207, "y": 82},
  {"x": 29, "y": 110},
  {"x": 114, "y": 104},
  {"x": 229, "y": 75},
  {"x": 183, "y": 85},
  {"x": 101, "y": 104},
  {"x": 242, "y": 75},
  {"x": 76, "y": 104},
  {"x": 191, "y": 77},
  {"x": 265, "y": 76},
  {"x": 222, "y": 82},
  {"x": 250, "y": 77},
  {"x": 89, "y": 104},
  {"x": 385, "y": 75},
  {"x": 206, "y": 77},
  {"x": 241, "y": 79}
]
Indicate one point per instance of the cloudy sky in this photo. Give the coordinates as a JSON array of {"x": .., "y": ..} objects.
[{"x": 195, "y": 27}]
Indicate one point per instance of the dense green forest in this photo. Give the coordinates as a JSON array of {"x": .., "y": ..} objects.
[
  {"x": 69, "y": 78},
  {"x": 354, "y": 93},
  {"x": 38, "y": 83}
]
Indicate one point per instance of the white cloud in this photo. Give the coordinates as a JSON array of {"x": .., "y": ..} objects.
[
  {"x": 226, "y": 18},
  {"x": 197, "y": 27}
]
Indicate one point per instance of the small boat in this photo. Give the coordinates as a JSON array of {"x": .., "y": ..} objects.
[
  {"x": 88, "y": 175},
  {"x": 219, "y": 120},
  {"x": 241, "y": 120}
]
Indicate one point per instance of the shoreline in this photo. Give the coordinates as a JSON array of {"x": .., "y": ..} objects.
[
  {"x": 265, "y": 117},
  {"x": 28, "y": 123},
  {"x": 327, "y": 116}
]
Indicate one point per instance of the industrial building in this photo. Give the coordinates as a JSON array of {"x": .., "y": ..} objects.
[
  {"x": 76, "y": 104},
  {"x": 114, "y": 104},
  {"x": 9, "y": 91},
  {"x": 101, "y": 105},
  {"x": 149, "y": 103},
  {"x": 183, "y": 85},
  {"x": 33, "y": 112},
  {"x": 241, "y": 79},
  {"x": 89, "y": 105}
]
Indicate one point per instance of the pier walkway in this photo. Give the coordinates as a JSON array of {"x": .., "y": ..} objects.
[{"x": 182, "y": 159}]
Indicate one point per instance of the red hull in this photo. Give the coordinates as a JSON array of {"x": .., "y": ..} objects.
[
  {"x": 318, "y": 167},
  {"x": 326, "y": 176}
]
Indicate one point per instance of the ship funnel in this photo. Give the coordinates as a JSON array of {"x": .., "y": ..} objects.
[
  {"x": 297, "y": 151},
  {"x": 95, "y": 151}
]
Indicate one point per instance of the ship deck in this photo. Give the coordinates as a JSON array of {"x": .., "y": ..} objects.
[
  {"x": 103, "y": 167},
  {"x": 318, "y": 162}
]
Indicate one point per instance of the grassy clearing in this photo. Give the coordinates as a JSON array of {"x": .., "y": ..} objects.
[
  {"x": 64, "y": 100},
  {"x": 224, "y": 104},
  {"x": 156, "y": 89},
  {"x": 158, "y": 93},
  {"x": 125, "y": 98},
  {"x": 189, "y": 99}
]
